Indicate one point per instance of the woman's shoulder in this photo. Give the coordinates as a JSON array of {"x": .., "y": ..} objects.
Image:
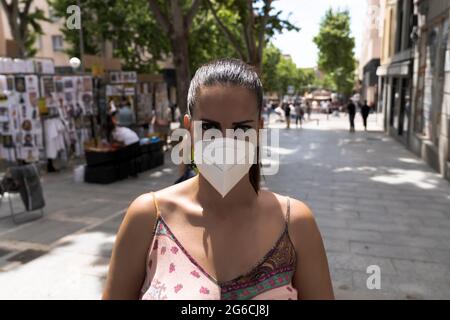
[
  {"x": 141, "y": 214},
  {"x": 298, "y": 210},
  {"x": 302, "y": 224}
]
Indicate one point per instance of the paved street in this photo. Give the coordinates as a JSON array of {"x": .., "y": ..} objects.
[{"x": 375, "y": 203}]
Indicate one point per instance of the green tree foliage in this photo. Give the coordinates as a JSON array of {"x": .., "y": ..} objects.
[
  {"x": 206, "y": 40},
  {"x": 279, "y": 72},
  {"x": 248, "y": 25},
  {"x": 269, "y": 76},
  {"x": 24, "y": 23},
  {"x": 336, "y": 50},
  {"x": 134, "y": 33}
]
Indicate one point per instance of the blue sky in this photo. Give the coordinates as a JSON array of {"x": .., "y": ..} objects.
[{"x": 307, "y": 15}]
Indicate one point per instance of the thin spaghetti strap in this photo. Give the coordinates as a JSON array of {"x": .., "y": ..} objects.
[
  {"x": 288, "y": 211},
  {"x": 158, "y": 213},
  {"x": 155, "y": 226}
]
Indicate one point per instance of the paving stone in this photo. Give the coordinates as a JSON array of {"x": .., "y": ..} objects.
[
  {"x": 389, "y": 251},
  {"x": 355, "y": 262}
]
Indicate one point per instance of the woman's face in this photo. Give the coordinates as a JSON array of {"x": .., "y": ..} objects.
[{"x": 227, "y": 107}]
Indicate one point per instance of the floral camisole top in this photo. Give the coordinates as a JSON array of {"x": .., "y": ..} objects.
[{"x": 173, "y": 274}]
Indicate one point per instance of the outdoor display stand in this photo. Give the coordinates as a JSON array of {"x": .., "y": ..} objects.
[
  {"x": 74, "y": 97},
  {"x": 145, "y": 98},
  {"x": 162, "y": 108},
  {"x": 21, "y": 131},
  {"x": 43, "y": 115},
  {"x": 20, "y": 125},
  {"x": 122, "y": 84},
  {"x": 109, "y": 165}
]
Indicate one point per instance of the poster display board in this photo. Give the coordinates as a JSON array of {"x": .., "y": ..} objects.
[{"x": 20, "y": 125}]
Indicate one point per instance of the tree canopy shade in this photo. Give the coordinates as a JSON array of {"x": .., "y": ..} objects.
[
  {"x": 254, "y": 25},
  {"x": 192, "y": 32},
  {"x": 24, "y": 24},
  {"x": 134, "y": 33},
  {"x": 336, "y": 50}
]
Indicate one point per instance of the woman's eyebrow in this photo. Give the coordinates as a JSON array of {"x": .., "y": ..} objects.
[
  {"x": 242, "y": 122},
  {"x": 210, "y": 121}
]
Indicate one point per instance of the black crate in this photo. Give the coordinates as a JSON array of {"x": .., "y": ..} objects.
[
  {"x": 99, "y": 158},
  {"x": 157, "y": 159},
  {"x": 123, "y": 170},
  {"x": 100, "y": 174},
  {"x": 156, "y": 146},
  {"x": 144, "y": 162}
]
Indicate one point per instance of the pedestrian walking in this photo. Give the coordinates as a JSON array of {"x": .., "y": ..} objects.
[
  {"x": 351, "y": 110},
  {"x": 298, "y": 114},
  {"x": 308, "y": 109},
  {"x": 328, "y": 107},
  {"x": 196, "y": 221},
  {"x": 365, "y": 110},
  {"x": 287, "y": 114}
]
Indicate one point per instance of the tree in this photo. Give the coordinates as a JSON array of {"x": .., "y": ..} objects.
[
  {"x": 256, "y": 24},
  {"x": 336, "y": 46},
  {"x": 176, "y": 19},
  {"x": 24, "y": 24},
  {"x": 269, "y": 74},
  {"x": 134, "y": 33},
  {"x": 206, "y": 40},
  {"x": 287, "y": 74}
]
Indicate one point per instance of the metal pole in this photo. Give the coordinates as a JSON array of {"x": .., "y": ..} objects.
[{"x": 81, "y": 38}]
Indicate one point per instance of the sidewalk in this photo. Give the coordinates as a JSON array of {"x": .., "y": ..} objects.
[{"x": 374, "y": 201}]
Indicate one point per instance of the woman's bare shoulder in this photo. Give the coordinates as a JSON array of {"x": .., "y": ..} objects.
[
  {"x": 302, "y": 223},
  {"x": 141, "y": 214},
  {"x": 174, "y": 196},
  {"x": 298, "y": 209}
]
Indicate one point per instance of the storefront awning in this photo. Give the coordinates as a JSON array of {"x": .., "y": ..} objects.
[{"x": 400, "y": 69}]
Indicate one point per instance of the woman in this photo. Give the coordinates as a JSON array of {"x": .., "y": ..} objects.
[{"x": 249, "y": 244}]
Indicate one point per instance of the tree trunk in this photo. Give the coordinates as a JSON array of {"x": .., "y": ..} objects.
[
  {"x": 17, "y": 23},
  {"x": 183, "y": 77}
]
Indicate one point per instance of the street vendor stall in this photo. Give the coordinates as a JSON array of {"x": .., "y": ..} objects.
[{"x": 107, "y": 164}]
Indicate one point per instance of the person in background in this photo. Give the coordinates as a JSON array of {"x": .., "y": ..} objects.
[
  {"x": 125, "y": 115},
  {"x": 112, "y": 106},
  {"x": 351, "y": 109},
  {"x": 308, "y": 109},
  {"x": 365, "y": 110},
  {"x": 328, "y": 107},
  {"x": 125, "y": 138},
  {"x": 118, "y": 134},
  {"x": 298, "y": 114},
  {"x": 287, "y": 113}
]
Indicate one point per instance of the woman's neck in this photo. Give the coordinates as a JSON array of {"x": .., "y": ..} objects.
[{"x": 242, "y": 195}]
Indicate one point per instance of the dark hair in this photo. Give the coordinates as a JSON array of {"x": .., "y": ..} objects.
[{"x": 229, "y": 72}]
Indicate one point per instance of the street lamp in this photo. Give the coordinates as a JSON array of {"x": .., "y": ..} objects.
[{"x": 75, "y": 63}]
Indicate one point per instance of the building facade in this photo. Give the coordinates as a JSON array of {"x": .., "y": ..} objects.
[
  {"x": 49, "y": 45},
  {"x": 371, "y": 52},
  {"x": 414, "y": 78},
  {"x": 431, "y": 114}
]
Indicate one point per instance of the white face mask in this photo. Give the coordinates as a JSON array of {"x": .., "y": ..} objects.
[{"x": 223, "y": 162}]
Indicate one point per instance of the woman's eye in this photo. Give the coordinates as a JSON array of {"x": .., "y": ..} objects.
[
  {"x": 243, "y": 128},
  {"x": 207, "y": 126}
]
